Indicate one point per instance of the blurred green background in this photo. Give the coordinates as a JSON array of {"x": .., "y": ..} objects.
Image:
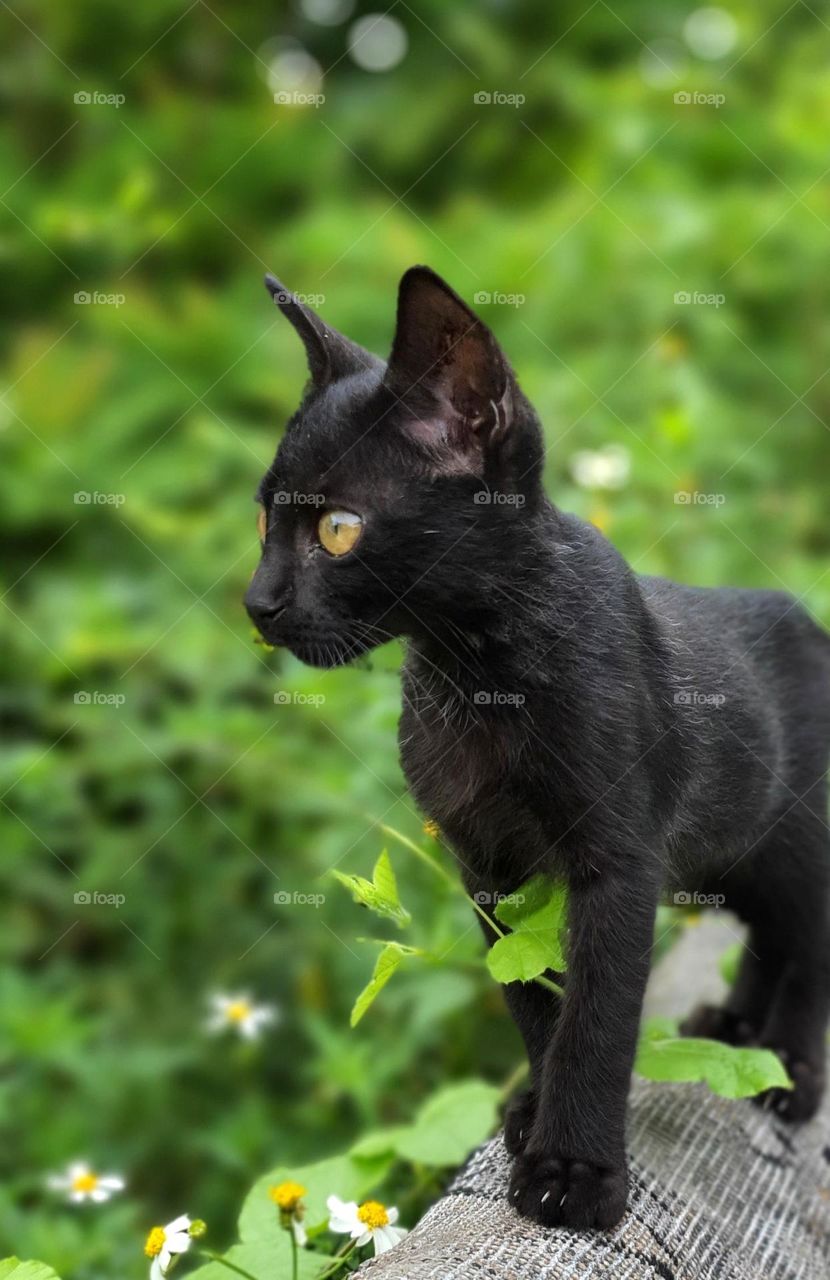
[{"x": 581, "y": 212}]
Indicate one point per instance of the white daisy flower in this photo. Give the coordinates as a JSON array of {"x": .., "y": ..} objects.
[
  {"x": 240, "y": 1014},
  {"x": 368, "y": 1221},
  {"x": 80, "y": 1183},
  {"x": 165, "y": 1244},
  {"x": 607, "y": 468}
]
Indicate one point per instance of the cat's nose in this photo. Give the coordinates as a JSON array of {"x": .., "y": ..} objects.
[{"x": 264, "y": 611}]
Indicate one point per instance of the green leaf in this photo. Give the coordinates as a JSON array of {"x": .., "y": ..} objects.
[
  {"x": 451, "y": 1124},
  {"x": 386, "y": 964},
  {"x": 14, "y": 1269},
  {"x": 728, "y": 1071},
  {"x": 729, "y": 961},
  {"x": 380, "y": 894},
  {"x": 537, "y": 915},
  {"x": 379, "y": 1142},
  {"x": 519, "y": 957}
]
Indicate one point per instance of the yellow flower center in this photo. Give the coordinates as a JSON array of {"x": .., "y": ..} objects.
[
  {"x": 238, "y": 1011},
  {"x": 373, "y": 1215},
  {"x": 85, "y": 1182},
  {"x": 155, "y": 1242},
  {"x": 287, "y": 1195}
]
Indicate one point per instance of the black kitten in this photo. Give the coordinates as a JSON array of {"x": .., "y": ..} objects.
[{"x": 560, "y": 714}]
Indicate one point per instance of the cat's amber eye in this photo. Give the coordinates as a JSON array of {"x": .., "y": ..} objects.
[
  {"x": 261, "y": 524},
  {"x": 339, "y": 531}
]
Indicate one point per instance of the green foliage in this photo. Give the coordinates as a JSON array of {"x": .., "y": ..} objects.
[
  {"x": 732, "y": 1072},
  {"x": 729, "y": 962},
  {"x": 380, "y": 894},
  {"x": 14, "y": 1269},
  {"x": 537, "y": 918},
  {"x": 385, "y": 965},
  {"x": 199, "y": 797}
]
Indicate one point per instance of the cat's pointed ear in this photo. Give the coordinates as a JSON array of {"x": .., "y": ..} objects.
[
  {"x": 448, "y": 367},
  {"x": 330, "y": 355}
]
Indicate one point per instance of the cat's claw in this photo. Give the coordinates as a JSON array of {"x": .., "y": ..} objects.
[
  {"x": 518, "y": 1121},
  {"x": 803, "y": 1100},
  {"x": 557, "y": 1192}
]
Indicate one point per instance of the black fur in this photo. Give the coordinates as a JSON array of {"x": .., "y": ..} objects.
[{"x": 561, "y": 714}]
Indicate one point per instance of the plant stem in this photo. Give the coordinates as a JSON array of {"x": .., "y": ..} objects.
[
  {"x": 294, "y": 1261},
  {"x": 540, "y": 980},
  {"x": 441, "y": 871},
  {"x": 217, "y": 1257},
  {"x": 339, "y": 1258}
]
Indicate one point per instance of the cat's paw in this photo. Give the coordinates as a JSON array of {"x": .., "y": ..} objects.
[
  {"x": 803, "y": 1100},
  {"x": 518, "y": 1120},
  {"x": 557, "y": 1192},
  {"x": 710, "y": 1022}
]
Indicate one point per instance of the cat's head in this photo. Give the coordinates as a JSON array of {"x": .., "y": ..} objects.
[{"x": 398, "y": 487}]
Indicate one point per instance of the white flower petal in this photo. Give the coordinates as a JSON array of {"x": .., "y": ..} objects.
[
  {"x": 99, "y": 1194},
  {"x": 387, "y": 1238},
  {"x": 112, "y": 1182},
  {"x": 156, "y": 1272},
  {"x": 392, "y": 1215},
  {"x": 300, "y": 1234},
  {"x": 182, "y": 1223},
  {"x": 362, "y": 1235}
]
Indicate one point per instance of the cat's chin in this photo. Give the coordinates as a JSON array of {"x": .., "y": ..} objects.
[{"x": 328, "y": 653}]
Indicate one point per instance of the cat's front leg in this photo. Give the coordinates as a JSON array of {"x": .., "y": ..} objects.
[{"x": 573, "y": 1170}]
